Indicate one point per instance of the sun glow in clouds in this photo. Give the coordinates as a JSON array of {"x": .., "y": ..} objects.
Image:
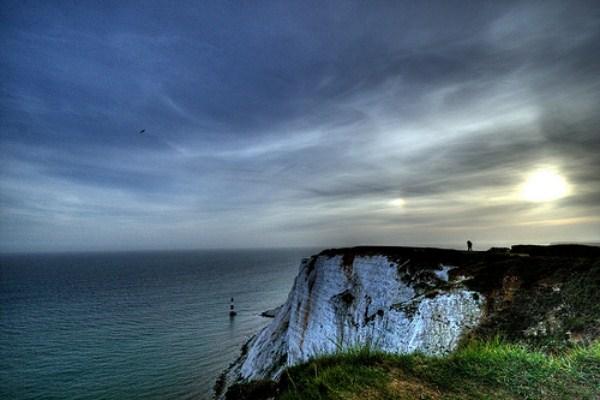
[
  {"x": 398, "y": 202},
  {"x": 544, "y": 185}
]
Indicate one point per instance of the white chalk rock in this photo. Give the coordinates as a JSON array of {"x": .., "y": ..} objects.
[{"x": 373, "y": 301}]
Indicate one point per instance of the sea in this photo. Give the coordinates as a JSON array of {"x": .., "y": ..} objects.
[{"x": 132, "y": 325}]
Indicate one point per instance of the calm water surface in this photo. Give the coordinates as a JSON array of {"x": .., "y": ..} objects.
[{"x": 147, "y": 325}]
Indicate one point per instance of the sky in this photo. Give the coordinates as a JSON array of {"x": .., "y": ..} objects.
[{"x": 275, "y": 124}]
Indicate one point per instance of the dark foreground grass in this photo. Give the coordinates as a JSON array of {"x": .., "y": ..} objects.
[{"x": 492, "y": 370}]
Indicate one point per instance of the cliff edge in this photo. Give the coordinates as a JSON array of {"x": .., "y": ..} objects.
[{"x": 405, "y": 300}]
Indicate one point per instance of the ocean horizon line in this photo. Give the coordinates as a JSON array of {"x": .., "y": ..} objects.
[{"x": 483, "y": 245}]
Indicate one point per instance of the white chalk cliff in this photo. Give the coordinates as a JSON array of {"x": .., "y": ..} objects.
[{"x": 340, "y": 301}]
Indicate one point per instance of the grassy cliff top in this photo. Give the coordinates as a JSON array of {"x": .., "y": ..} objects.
[
  {"x": 439, "y": 254},
  {"x": 480, "y": 370}
]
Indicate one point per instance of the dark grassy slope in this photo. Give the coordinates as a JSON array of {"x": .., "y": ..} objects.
[{"x": 543, "y": 302}]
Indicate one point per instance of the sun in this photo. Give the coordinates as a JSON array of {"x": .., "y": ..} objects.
[
  {"x": 544, "y": 185},
  {"x": 398, "y": 202}
]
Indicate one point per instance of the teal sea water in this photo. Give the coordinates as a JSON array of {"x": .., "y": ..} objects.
[{"x": 140, "y": 325}]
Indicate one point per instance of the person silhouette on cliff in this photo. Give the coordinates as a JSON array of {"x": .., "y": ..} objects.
[{"x": 469, "y": 245}]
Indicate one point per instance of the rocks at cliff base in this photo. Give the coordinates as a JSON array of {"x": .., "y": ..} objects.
[{"x": 272, "y": 312}]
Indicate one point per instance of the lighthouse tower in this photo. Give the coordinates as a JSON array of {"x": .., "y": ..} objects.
[{"x": 232, "y": 312}]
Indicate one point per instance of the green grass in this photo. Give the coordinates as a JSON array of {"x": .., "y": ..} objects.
[{"x": 490, "y": 370}]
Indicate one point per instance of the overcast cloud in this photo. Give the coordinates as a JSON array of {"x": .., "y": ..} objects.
[{"x": 295, "y": 123}]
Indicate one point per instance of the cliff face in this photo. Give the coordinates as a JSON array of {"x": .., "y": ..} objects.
[
  {"x": 404, "y": 300},
  {"x": 371, "y": 300}
]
